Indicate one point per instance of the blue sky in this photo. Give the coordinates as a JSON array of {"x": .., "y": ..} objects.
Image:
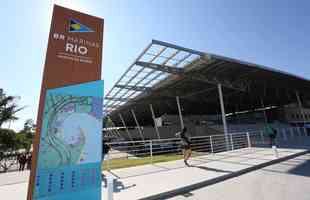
[{"x": 272, "y": 33}]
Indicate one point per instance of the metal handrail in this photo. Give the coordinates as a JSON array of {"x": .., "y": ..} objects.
[{"x": 201, "y": 144}]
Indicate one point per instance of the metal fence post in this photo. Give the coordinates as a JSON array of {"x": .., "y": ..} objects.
[
  {"x": 154, "y": 119},
  {"x": 249, "y": 141},
  {"x": 151, "y": 151},
  {"x": 211, "y": 144},
  {"x": 262, "y": 136},
  {"x": 231, "y": 142}
]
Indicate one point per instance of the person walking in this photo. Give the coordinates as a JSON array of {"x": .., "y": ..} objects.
[
  {"x": 29, "y": 161},
  {"x": 22, "y": 159},
  {"x": 185, "y": 144},
  {"x": 18, "y": 158},
  {"x": 271, "y": 133}
]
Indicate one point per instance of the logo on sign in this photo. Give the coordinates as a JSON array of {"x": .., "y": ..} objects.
[
  {"x": 75, "y": 47},
  {"x": 76, "y": 27}
]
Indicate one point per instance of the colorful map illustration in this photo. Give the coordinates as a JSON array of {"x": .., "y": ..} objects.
[
  {"x": 65, "y": 141},
  {"x": 69, "y": 159}
]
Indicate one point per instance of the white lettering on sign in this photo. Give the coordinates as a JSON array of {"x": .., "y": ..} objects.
[
  {"x": 74, "y": 48},
  {"x": 58, "y": 36},
  {"x": 75, "y": 40}
]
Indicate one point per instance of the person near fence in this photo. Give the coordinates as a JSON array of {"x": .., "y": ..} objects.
[
  {"x": 271, "y": 133},
  {"x": 186, "y": 145}
]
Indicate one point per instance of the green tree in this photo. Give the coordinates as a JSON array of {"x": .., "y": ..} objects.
[
  {"x": 9, "y": 144},
  {"x": 25, "y": 136},
  {"x": 8, "y": 108}
]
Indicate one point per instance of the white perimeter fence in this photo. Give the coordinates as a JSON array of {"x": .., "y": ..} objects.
[{"x": 149, "y": 149}]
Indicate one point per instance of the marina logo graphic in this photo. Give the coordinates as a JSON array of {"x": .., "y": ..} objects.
[{"x": 76, "y": 27}]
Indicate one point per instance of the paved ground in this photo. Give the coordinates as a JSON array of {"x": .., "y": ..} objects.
[
  {"x": 144, "y": 181},
  {"x": 12, "y": 178},
  {"x": 284, "y": 181}
]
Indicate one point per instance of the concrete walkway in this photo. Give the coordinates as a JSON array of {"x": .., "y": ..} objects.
[
  {"x": 286, "y": 180},
  {"x": 158, "y": 181},
  {"x": 166, "y": 179}
]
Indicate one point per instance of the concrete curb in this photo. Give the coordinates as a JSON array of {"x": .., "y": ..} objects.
[{"x": 189, "y": 188}]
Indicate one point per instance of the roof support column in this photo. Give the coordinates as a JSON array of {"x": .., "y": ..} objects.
[
  {"x": 180, "y": 112},
  {"x": 263, "y": 106},
  {"x": 137, "y": 123},
  {"x": 219, "y": 86},
  {"x": 300, "y": 106},
  {"x": 117, "y": 133},
  {"x": 123, "y": 122},
  {"x": 155, "y": 124}
]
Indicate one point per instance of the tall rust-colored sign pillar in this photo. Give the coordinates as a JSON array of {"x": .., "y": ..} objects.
[{"x": 70, "y": 80}]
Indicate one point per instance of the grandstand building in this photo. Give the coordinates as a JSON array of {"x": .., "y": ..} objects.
[{"x": 168, "y": 87}]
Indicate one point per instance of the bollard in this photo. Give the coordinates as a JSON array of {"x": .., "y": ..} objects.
[
  {"x": 274, "y": 147},
  {"x": 110, "y": 187}
]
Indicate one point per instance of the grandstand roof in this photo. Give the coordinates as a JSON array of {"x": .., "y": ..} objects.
[{"x": 163, "y": 71}]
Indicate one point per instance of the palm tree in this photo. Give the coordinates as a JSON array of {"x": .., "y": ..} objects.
[{"x": 8, "y": 109}]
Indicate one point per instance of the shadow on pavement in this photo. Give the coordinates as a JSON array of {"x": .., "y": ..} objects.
[
  {"x": 302, "y": 169},
  {"x": 188, "y": 194},
  {"x": 118, "y": 185},
  {"x": 298, "y": 166},
  {"x": 212, "y": 169}
]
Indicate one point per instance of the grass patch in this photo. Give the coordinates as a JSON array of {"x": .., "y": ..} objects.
[{"x": 119, "y": 163}]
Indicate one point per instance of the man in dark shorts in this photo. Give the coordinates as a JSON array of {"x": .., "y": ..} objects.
[
  {"x": 186, "y": 145},
  {"x": 22, "y": 159}
]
